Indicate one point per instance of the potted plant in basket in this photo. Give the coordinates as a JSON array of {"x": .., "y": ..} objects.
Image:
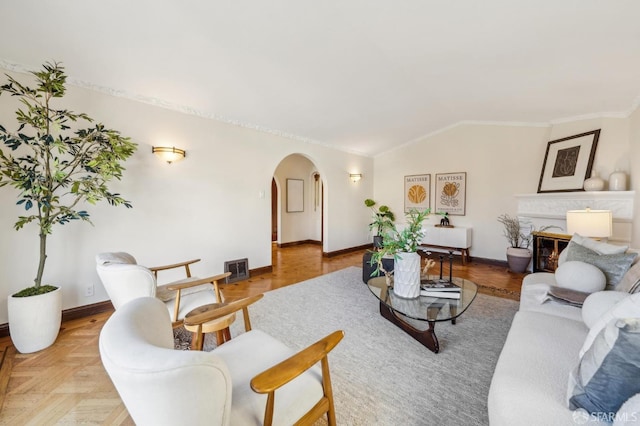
[
  {"x": 54, "y": 169},
  {"x": 403, "y": 246},
  {"x": 519, "y": 236},
  {"x": 383, "y": 219}
]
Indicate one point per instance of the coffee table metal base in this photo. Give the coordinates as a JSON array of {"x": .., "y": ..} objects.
[{"x": 426, "y": 337}]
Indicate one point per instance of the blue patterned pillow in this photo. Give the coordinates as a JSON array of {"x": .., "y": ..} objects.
[
  {"x": 614, "y": 266},
  {"x": 608, "y": 373}
]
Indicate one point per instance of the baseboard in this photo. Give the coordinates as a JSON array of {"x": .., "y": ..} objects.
[
  {"x": 259, "y": 271},
  {"x": 72, "y": 313},
  {"x": 299, "y": 243},
  {"x": 347, "y": 250}
]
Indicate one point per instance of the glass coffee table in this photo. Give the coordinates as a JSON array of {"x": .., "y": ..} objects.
[{"x": 422, "y": 308}]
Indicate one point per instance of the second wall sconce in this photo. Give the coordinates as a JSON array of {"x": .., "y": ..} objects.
[
  {"x": 169, "y": 153},
  {"x": 355, "y": 177}
]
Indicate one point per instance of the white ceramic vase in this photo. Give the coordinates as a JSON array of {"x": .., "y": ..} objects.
[
  {"x": 406, "y": 275},
  {"x": 618, "y": 181},
  {"x": 594, "y": 183},
  {"x": 34, "y": 321}
]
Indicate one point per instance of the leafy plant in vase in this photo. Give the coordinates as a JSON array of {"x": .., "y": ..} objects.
[
  {"x": 54, "y": 169},
  {"x": 383, "y": 219},
  {"x": 403, "y": 247}
]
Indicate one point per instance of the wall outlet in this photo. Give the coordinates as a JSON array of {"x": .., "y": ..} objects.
[{"x": 88, "y": 290}]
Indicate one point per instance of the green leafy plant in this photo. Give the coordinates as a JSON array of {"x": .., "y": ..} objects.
[
  {"x": 53, "y": 167},
  {"x": 407, "y": 240},
  {"x": 383, "y": 217}
]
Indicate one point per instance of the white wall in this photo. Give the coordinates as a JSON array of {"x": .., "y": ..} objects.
[
  {"x": 207, "y": 206},
  {"x": 634, "y": 170},
  {"x": 500, "y": 162}
]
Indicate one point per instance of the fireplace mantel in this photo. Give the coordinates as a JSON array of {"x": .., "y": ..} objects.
[
  {"x": 554, "y": 205},
  {"x": 551, "y": 208}
]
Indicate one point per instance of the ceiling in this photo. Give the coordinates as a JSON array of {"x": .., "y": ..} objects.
[{"x": 364, "y": 76}]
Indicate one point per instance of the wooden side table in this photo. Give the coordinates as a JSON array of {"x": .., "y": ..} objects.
[{"x": 219, "y": 326}]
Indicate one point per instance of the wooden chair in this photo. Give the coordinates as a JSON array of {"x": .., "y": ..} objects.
[
  {"x": 236, "y": 383},
  {"x": 125, "y": 280}
]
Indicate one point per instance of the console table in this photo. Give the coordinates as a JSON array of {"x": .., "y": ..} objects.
[{"x": 456, "y": 238}]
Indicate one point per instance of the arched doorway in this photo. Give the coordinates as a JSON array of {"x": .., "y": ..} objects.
[{"x": 297, "y": 202}]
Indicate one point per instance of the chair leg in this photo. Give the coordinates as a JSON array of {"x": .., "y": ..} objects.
[{"x": 197, "y": 341}]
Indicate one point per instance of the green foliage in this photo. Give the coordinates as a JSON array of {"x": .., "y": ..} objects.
[
  {"x": 383, "y": 217},
  {"x": 407, "y": 240},
  {"x": 35, "y": 291},
  {"x": 53, "y": 167}
]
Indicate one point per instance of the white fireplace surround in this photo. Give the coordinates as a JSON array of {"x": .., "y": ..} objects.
[{"x": 550, "y": 209}]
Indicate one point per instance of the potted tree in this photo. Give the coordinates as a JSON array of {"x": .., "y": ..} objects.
[
  {"x": 519, "y": 237},
  {"x": 403, "y": 247},
  {"x": 54, "y": 169},
  {"x": 383, "y": 219}
]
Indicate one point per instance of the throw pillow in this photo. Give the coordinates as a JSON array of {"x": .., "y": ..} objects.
[
  {"x": 597, "y": 246},
  {"x": 607, "y": 375},
  {"x": 580, "y": 276},
  {"x": 629, "y": 307},
  {"x": 614, "y": 266},
  {"x": 597, "y": 304},
  {"x": 630, "y": 279}
]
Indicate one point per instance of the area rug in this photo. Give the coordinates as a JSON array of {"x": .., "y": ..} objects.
[{"x": 380, "y": 375}]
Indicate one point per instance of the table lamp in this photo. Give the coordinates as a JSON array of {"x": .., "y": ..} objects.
[{"x": 590, "y": 223}]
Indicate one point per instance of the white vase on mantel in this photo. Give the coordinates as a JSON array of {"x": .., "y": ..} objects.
[
  {"x": 618, "y": 181},
  {"x": 594, "y": 183},
  {"x": 406, "y": 275}
]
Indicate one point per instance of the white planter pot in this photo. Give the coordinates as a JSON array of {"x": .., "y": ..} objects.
[
  {"x": 34, "y": 321},
  {"x": 406, "y": 275}
]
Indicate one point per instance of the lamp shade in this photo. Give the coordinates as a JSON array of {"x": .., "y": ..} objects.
[{"x": 590, "y": 223}]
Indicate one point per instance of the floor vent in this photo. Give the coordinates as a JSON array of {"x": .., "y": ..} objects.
[{"x": 239, "y": 270}]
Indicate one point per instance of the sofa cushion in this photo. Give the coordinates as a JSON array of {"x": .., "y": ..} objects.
[
  {"x": 607, "y": 374},
  {"x": 597, "y": 246},
  {"x": 580, "y": 276},
  {"x": 631, "y": 280},
  {"x": 597, "y": 304},
  {"x": 530, "y": 379},
  {"x": 628, "y": 307},
  {"x": 614, "y": 266}
]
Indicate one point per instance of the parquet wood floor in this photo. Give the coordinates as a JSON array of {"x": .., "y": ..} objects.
[{"x": 66, "y": 384}]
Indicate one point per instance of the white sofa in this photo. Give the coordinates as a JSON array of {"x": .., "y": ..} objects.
[{"x": 531, "y": 380}]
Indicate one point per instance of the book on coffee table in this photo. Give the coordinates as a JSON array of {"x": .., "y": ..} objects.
[
  {"x": 438, "y": 285},
  {"x": 440, "y": 294}
]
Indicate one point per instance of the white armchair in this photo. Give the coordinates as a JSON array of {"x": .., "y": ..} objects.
[
  {"x": 125, "y": 280},
  {"x": 235, "y": 384}
]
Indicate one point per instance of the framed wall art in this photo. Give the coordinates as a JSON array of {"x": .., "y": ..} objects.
[
  {"x": 417, "y": 192},
  {"x": 451, "y": 193},
  {"x": 295, "y": 195},
  {"x": 568, "y": 162}
]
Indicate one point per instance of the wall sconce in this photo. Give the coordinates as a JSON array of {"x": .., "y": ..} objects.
[
  {"x": 169, "y": 153},
  {"x": 355, "y": 177},
  {"x": 590, "y": 223}
]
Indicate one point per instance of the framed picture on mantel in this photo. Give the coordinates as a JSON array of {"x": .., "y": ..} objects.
[
  {"x": 451, "y": 193},
  {"x": 568, "y": 162}
]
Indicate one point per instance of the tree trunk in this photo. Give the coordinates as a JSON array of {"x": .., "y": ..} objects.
[{"x": 43, "y": 258}]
